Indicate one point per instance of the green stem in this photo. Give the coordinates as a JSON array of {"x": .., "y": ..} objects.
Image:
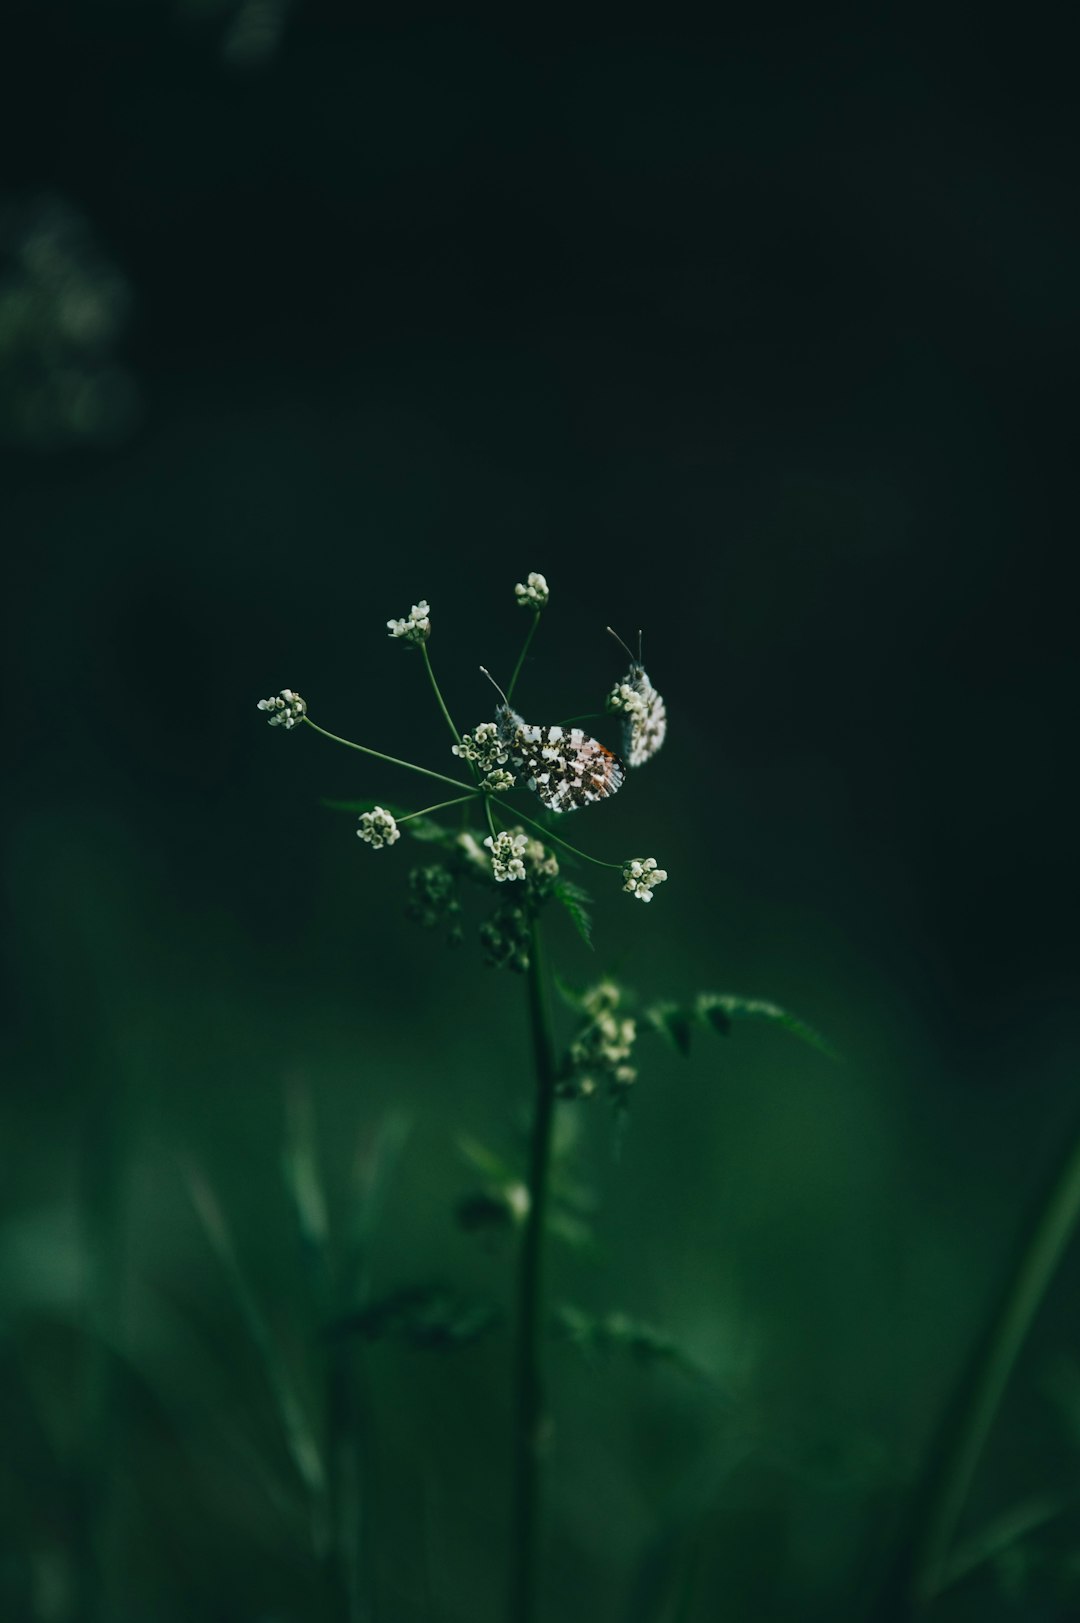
[
  {"x": 521, "y": 657},
  {"x": 490, "y": 818},
  {"x": 530, "y": 1420},
  {"x": 392, "y": 759},
  {"x": 438, "y": 695},
  {"x": 459, "y": 800},
  {"x": 548, "y": 835},
  {"x": 983, "y": 1391}
]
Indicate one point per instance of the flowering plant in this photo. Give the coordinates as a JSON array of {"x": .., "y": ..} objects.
[{"x": 515, "y": 862}]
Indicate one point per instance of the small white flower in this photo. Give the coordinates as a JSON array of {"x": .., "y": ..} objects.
[
  {"x": 626, "y": 699},
  {"x": 287, "y": 710},
  {"x": 378, "y": 828},
  {"x": 540, "y": 859},
  {"x": 507, "y": 851},
  {"x": 534, "y": 594},
  {"x": 642, "y": 876},
  {"x": 484, "y": 747},
  {"x": 498, "y": 780},
  {"x": 605, "y": 1044},
  {"x": 417, "y": 628}
]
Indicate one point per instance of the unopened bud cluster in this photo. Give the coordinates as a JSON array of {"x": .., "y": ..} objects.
[
  {"x": 504, "y": 938},
  {"x": 417, "y": 628},
  {"x": 533, "y": 594},
  {"x": 287, "y": 710}
]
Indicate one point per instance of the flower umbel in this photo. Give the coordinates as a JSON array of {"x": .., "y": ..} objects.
[
  {"x": 378, "y": 828},
  {"x": 602, "y": 1048},
  {"x": 533, "y": 594},
  {"x": 287, "y": 710},
  {"x": 642, "y": 877},
  {"x": 507, "y": 852},
  {"x": 483, "y": 747},
  {"x": 417, "y": 628}
]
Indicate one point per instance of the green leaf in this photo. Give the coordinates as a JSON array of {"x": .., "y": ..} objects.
[
  {"x": 429, "y": 1317},
  {"x": 673, "y": 1023},
  {"x": 720, "y": 1010},
  {"x": 299, "y": 1434},
  {"x": 617, "y": 1334},
  {"x": 575, "y": 900},
  {"x": 1003, "y": 1533}
]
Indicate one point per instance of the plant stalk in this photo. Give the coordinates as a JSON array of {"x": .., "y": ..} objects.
[
  {"x": 530, "y": 1420},
  {"x": 968, "y": 1427}
]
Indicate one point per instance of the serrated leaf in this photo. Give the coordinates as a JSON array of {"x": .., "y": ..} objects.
[
  {"x": 673, "y": 1023},
  {"x": 429, "y": 1317},
  {"x": 720, "y": 1010},
  {"x": 575, "y": 900}
]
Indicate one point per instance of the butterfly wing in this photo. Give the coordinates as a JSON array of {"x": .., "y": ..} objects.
[
  {"x": 645, "y": 721},
  {"x": 564, "y": 766}
]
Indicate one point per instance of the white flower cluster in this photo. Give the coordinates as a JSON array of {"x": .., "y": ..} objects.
[
  {"x": 540, "y": 859},
  {"x": 626, "y": 699},
  {"x": 417, "y": 628},
  {"x": 515, "y": 854},
  {"x": 287, "y": 710},
  {"x": 606, "y": 1043},
  {"x": 642, "y": 876},
  {"x": 378, "y": 828},
  {"x": 507, "y": 852},
  {"x": 483, "y": 747},
  {"x": 534, "y": 594}
]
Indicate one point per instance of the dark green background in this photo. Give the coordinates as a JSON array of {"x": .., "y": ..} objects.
[{"x": 764, "y": 339}]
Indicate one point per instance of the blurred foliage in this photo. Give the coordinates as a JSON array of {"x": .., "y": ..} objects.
[{"x": 762, "y": 337}]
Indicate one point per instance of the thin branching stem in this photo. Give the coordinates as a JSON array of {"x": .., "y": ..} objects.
[
  {"x": 490, "y": 818},
  {"x": 529, "y": 635},
  {"x": 409, "y": 766},
  {"x": 459, "y": 800},
  {"x": 548, "y": 835},
  {"x": 530, "y": 1420},
  {"x": 438, "y": 694}
]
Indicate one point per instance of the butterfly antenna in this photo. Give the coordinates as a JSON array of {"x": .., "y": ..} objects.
[
  {"x": 620, "y": 642},
  {"x": 496, "y": 686}
]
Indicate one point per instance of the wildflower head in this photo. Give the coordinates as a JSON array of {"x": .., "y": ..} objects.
[
  {"x": 533, "y": 594},
  {"x": 641, "y": 876},
  {"x": 417, "y": 628},
  {"x": 484, "y": 747},
  {"x": 378, "y": 828},
  {"x": 507, "y": 853},
  {"x": 604, "y": 1046},
  {"x": 287, "y": 710},
  {"x": 542, "y": 863}
]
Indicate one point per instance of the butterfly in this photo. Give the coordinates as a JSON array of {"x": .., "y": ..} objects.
[
  {"x": 562, "y": 765},
  {"x": 643, "y": 710}
]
